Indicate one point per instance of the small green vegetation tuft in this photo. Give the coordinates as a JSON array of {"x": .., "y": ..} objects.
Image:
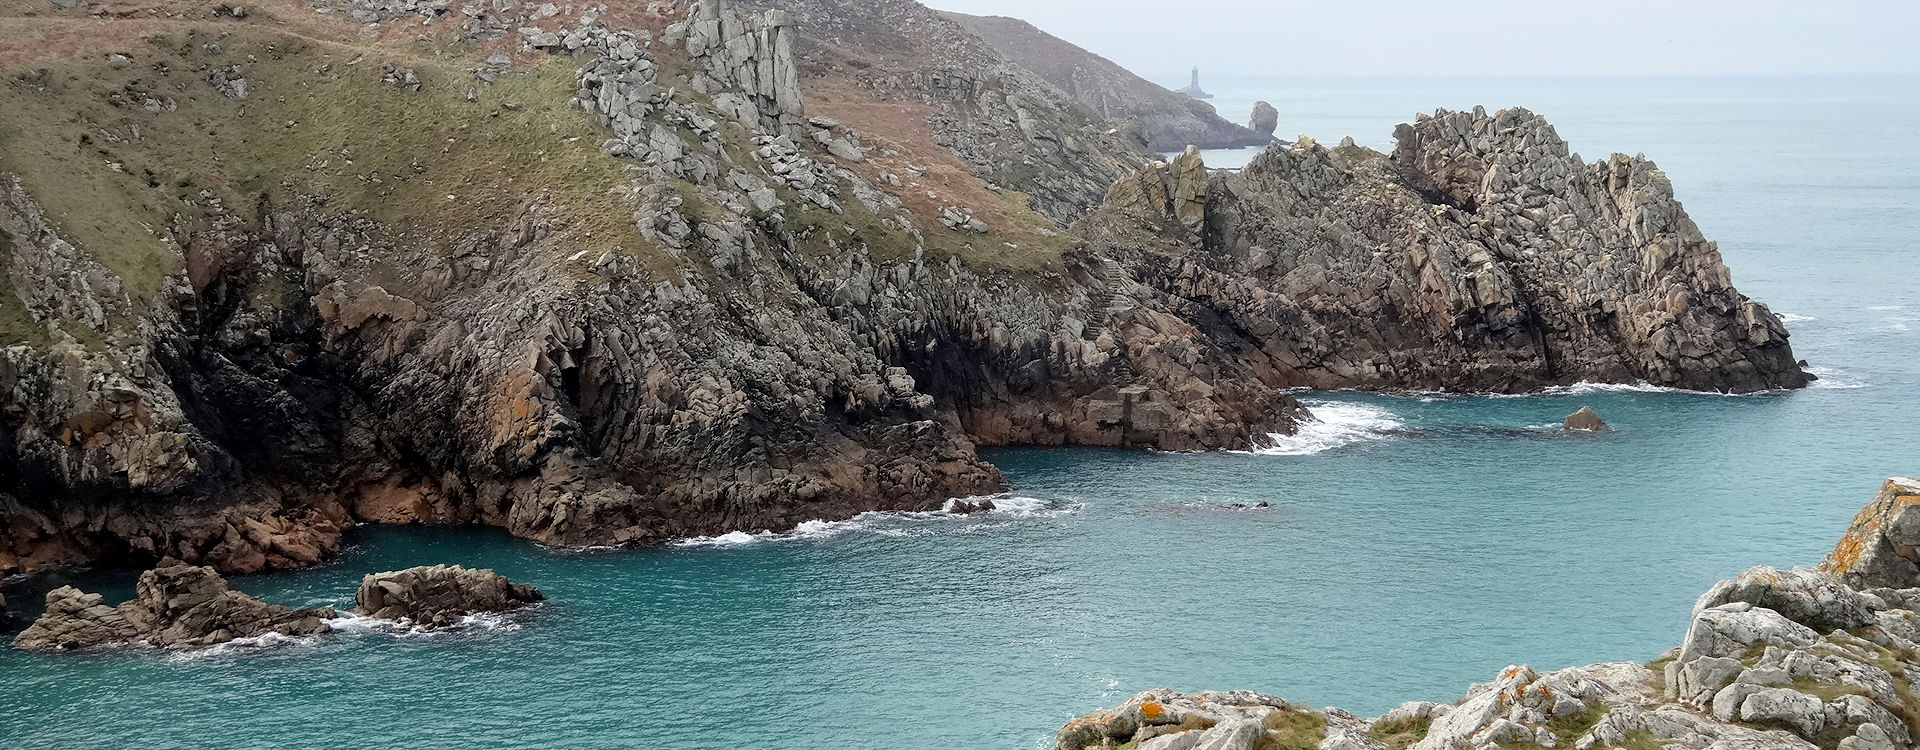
[
  {"x": 1289, "y": 729},
  {"x": 1641, "y": 739},
  {"x": 1399, "y": 735},
  {"x": 1570, "y": 728}
]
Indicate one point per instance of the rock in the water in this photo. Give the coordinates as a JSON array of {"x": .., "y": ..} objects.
[
  {"x": 440, "y": 595},
  {"x": 1584, "y": 420},
  {"x": 1879, "y": 549},
  {"x": 177, "y": 606},
  {"x": 966, "y": 507},
  {"x": 1265, "y": 119}
]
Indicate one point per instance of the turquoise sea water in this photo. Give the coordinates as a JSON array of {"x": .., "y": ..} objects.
[{"x": 1413, "y": 544}]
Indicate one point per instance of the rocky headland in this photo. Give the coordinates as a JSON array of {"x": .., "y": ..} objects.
[
  {"x": 1826, "y": 658},
  {"x": 1166, "y": 120},
  {"x": 187, "y": 607},
  {"x": 624, "y": 273}
]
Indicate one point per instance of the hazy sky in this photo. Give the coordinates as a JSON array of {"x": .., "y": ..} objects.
[{"x": 1160, "y": 39}]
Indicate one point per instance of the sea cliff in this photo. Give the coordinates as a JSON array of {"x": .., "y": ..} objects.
[{"x": 621, "y": 274}]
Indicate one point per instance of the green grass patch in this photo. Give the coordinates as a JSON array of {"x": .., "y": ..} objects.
[
  {"x": 116, "y": 156},
  {"x": 1399, "y": 735},
  {"x": 1294, "y": 730}
]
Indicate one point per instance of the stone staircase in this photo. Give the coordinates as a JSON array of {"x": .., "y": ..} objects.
[{"x": 1105, "y": 301}]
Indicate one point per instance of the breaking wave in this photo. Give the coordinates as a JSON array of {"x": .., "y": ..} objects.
[
  {"x": 1833, "y": 380},
  {"x": 895, "y": 522},
  {"x": 1792, "y": 318},
  {"x": 1333, "y": 424}
]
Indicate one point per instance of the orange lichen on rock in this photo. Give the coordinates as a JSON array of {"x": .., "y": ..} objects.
[{"x": 1871, "y": 522}]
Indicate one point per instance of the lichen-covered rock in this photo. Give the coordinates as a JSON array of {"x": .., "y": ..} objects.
[
  {"x": 177, "y": 606},
  {"x": 440, "y": 595},
  {"x": 1878, "y": 550}
]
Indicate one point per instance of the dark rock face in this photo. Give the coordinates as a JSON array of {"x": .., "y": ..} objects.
[
  {"x": 1167, "y": 120},
  {"x": 1265, "y": 119},
  {"x": 439, "y": 595},
  {"x": 1584, "y": 420},
  {"x": 1480, "y": 256},
  {"x": 177, "y": 606}
]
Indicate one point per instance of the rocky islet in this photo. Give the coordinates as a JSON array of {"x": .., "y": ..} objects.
[{"x": 187, "y": 607}]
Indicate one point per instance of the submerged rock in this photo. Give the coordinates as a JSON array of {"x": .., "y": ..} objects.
[
  {"x": 177, "y": 606},
  {"x": 1772, "y": 660},
  {"x": 439, "y": 595},
  {"x": 1585, "y": 420}
]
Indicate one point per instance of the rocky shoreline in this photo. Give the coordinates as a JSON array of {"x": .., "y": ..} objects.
[
  {"x": 614, "y": 275},
  {"x": 1824, "y": 658}
]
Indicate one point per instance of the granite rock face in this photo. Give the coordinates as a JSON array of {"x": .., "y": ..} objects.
[
  {"x": 1791, "y": 660},
  {"x": 1879, "y": 549},
  {"x": 1480, "y": 255},
  {"x": 440, "y": 595},
  {"x": 177, "y": 606}
]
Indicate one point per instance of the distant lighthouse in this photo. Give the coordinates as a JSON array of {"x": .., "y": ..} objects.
[{"x": 1193, "y": 88}]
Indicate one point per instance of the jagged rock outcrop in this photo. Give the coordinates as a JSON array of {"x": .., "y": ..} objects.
[
  {"x": 440, "y": 595},
  {"x": 1480, "y": 255},
  {"x": 1265, "y": 119},
  {"x": 1167, "y": 120},
  {"x": 177, "y": 606},
  {"x": 1879, "y": 549},
  {"x": 1791, "y": 660}
]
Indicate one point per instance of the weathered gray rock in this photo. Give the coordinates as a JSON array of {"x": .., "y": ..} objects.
[
  {"x": 1265, "y": 119},
  {"x": 440, "y": 595},
  {"x": 1813, "y": 598},
  {"x": 1584, "y": 420},
  {"x": 177, "y": 606}
]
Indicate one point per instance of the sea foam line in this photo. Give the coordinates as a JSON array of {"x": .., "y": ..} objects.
[
  {"x": 1332, "y": 424},
  {"x": 1005, "y": 506}
]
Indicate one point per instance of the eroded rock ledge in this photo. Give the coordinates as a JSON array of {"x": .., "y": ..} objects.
[{"x": 1777, "y": 660}]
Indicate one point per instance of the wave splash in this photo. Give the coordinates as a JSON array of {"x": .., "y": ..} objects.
[
  {"x": 894, "y": 522},
  {"x": 1333, "y": 424}
]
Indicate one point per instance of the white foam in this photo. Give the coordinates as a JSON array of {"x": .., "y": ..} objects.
[
  {"x": 1833, "y": 380},
  {"x": 887, "y": 523},
  {"x": 1792, "y": 318},
  {"x": 1333, "y": 424}
]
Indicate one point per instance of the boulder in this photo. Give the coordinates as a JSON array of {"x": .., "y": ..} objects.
[
  {"x": 1878, "y": 549},
  {"x": 1814, "y": 598},
  {"x": 176, "y": 606},
  {"x": 1265, "y": 119},
  {"x": 1584, "y": 420},
  {"x": 438, "y": 596}
]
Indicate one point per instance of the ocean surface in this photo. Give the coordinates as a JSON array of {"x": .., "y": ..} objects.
[{"x": 1413, "y": 543}]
